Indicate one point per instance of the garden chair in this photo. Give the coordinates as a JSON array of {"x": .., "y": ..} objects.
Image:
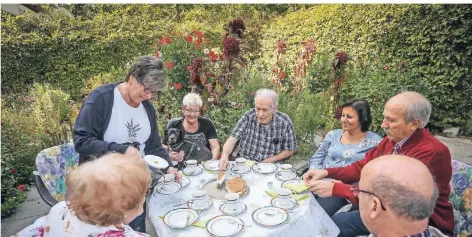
[
  {"x": 53, "y": 164},
  {"x": 461, "y": 198}
]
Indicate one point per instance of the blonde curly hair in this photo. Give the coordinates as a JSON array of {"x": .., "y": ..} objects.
[{"x": 100, "y": 191}]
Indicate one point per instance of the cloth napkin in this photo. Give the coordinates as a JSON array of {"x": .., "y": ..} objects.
[
  {"x": 298, "y": 187},
  {"x": 250, "y": 163},
  {"x": 297, "y": 197}
]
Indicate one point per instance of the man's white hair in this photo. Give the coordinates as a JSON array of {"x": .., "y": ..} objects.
[
  {"x": 192, "y": 99},
  {"x": 268, "y": 93}
]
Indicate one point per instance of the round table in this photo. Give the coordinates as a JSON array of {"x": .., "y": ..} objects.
[{"x": 307, "y": 219}]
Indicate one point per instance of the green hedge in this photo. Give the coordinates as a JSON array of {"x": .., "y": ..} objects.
[{"x": 432, "y": 42}]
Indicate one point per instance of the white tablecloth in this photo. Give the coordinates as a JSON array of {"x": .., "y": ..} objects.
[{"x": 307, "y": 219}]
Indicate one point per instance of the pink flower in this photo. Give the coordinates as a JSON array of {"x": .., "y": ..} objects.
[
  {"x": 189, "y": 68},
  {"x": 162, "y": 41},
  {"x": 13, "y": 170},
  {"x": 386, "y": 67},
  {"x": 178, "y": 86},
  {"x": 281, "y": 46},
  {"x": 168, "y": 40},
  {"x": 22, "y": 187},
  {"x": 189, "y": 38},
  {"x": 170, "y": 65}
]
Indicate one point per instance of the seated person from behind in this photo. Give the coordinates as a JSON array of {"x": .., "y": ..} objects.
[
  {"x": 397, "y": 195},
  {"x": 264, "y": 133},
  {"x": 195, "y": 129},
  {"x": 344, "y": 146},
  {"x": 103, "y": 196}
]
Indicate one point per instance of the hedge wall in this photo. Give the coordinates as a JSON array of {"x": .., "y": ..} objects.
[{"x": 432, "y": 42}]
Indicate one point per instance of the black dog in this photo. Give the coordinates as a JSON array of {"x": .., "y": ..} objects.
[{"x": 192, "y": 150}]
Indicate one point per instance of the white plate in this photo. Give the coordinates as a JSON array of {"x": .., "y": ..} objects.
[
  {"x": 156, "y": 161},
  {"x": 192, "y": 171},
  {"x": 223, "y": 226},
  {"x": 177, "y": 218},
  {"x": 168, "y": 189},
  {"x": 240, "y": 169},
  {"x": 291, "y": 176},
  {"x": 277, "y": 202},
  {"x": 225, "y": 208},
  {"x": 211, "y": 165},
  {"x": 294, "y": 181},
  {"x": 264, "y": 168},
  {"x": 185, "y": 181},
  {"x": 200, "y": 208},
  {"x": 270, "y": 216}
]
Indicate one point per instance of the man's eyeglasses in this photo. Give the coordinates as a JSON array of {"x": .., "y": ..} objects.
[
  {"x": 148, "y": 190},
  {"x": 188, "y": 111},
  {"x": 355, "y": 190}
]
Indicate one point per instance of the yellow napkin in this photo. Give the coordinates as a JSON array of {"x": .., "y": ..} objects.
[
  {"x": 250, "y": 163},
  {"x": 200, "y": 224},
  {"x": 271, "y": 193},
  {"x": 297, "y": 187},
  {"x": 300, "y": 197},
  {"x": 297, "y": 197}
]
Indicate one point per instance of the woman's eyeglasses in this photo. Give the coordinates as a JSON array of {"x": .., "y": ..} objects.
[
  {"x": 188, "y": 111},
  {"x": 355, "y": 190}
]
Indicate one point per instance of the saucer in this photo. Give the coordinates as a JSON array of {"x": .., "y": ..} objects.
[
  {"x": 185, "y": 181},
  {"x": 227, "y": 210},
  {"x": 180, "y": 218},
  {"x": 265, "y": 168},
  {"x": 156, "y": 161},
  {"x": 240, "y": 169},
  {"x": 270, "y": 216},
  {"x": 277, "y": 202},
  {"x": 224, "y": 226},
  {"x": 192, "y": 171},
  {"x": 200, "y": 208},
  {"x": 168, "y": 189},
  {"x": 211, "y": 165},
  {"x": 280, "y": 177}
]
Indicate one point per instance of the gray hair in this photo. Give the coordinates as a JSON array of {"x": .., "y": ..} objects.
[
  {"x": 419, "y": 108},
  {"x": 192, "y": 99},
  {"x": 148, "y": 71},
  {"x": 402, "y": 200},
  {"x": 268, "y": 93}
]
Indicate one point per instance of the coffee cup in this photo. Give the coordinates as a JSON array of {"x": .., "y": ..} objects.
[
  {"x": 286, "y": 171},
  {"x": 232, "y": 201},
  {"x": 240, "y": 161},
  {"x": 199, "y": 198},
  {"x": 284, "y": 196}
]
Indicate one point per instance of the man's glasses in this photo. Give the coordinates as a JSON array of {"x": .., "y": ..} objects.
[
  {"x": 355, "y": 190},
  {"x": 188, "y": 111}
]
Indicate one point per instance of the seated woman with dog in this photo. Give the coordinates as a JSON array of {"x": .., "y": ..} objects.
[
  {"x": 103, "y": 196},
  {"x": 341, "y": 147},
  {"x": 197, "y": 132}
]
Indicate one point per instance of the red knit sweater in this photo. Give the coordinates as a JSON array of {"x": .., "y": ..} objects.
[{"x": 422, "y": 146}]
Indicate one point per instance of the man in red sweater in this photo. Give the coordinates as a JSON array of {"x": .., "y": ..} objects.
[{"x": 405, "y": 116}]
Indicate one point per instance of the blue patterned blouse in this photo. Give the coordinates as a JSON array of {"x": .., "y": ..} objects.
[{"x": 332, "y": 153}]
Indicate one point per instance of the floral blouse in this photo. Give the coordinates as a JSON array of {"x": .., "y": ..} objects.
[
  {"x": 332, "y": 153},
  {"x": 61, "y": 222}
]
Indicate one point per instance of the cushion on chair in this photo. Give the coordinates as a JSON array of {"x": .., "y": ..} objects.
[
  {"x": 53, "y": 165},
  {"x": 461, "y": 197}
]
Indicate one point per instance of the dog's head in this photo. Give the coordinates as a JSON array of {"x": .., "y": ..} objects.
[{"x": 174, "y": 136}]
